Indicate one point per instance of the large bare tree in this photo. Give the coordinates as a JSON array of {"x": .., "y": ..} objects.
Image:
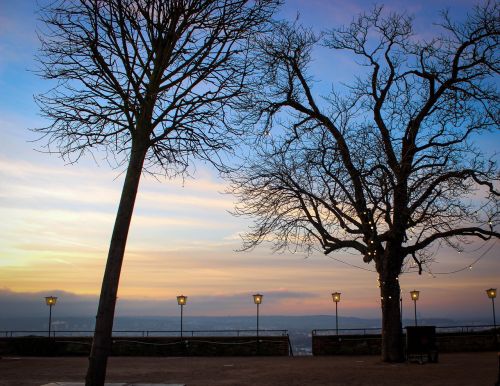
[
  {"x": 149, "y": 83},
  {"x": 387, "y": 166}
]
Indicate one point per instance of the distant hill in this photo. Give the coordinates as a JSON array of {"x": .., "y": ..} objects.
[{"x": 307, "y": 323}]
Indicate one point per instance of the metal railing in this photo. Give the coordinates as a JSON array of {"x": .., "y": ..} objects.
[
  {"x": 348, "y": 331},
  {"x": 466, "y": 329},
  {"x": 143, "y": 333},
  {"x": 378, "y": 330}
]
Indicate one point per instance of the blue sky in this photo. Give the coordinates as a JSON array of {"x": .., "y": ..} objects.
[{"x": 56, "y": 219}]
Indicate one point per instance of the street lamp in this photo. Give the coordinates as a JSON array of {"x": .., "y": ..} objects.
[
  {"x": 492, "y": 294},
  {"x": 257, "y": 299},
  {"x": 50, "y": 301},
  {"x": 336, "y": 299},
  {"x": 414, "y": 296},
  {"x": 181, "y": 301}
]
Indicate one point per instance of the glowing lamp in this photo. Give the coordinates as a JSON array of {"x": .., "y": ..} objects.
[
  {"x": 492, "y": 293},
  {"x": 336, "y": 297},
  {"x": 51, "y": 300},
  {"x": 181, "y": 300}
]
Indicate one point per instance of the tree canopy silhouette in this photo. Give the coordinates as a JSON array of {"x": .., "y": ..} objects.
[
  {"x": 387, "y": 168},
  {"x": 149, "y": 82}
]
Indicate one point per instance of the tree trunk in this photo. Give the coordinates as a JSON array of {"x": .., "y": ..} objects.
[
  {"x": 392, "y": 336},
  {"x": 101, "y": 345}
]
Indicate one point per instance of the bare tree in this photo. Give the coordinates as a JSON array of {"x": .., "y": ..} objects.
[
  {"x": 150, "y": 82},
  {"x": 388, "y": 167}
]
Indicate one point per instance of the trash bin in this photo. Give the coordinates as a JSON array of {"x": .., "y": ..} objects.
[{"x": 421, "y": 344}]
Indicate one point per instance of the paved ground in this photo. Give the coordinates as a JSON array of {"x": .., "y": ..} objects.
[{"x": 461, "y": 369}]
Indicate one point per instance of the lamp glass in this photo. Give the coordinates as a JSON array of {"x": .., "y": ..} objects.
[
  {"x": 181, "y": 300},
  {"x": 50, "y": 300},
  {"x": 492, "y": 293},
  {"x": 414, "y": 294},
  {"x": 257, "y": 298},
  {"x": 336, "y": 297}
]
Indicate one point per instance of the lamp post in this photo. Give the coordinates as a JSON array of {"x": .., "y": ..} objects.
[
  {"x": 50, "y": 301},
  {"x": 336, "y": 299},
  {"x": 414, "y": 296},
  {"x": 401, "y": 310},
  {"x": 181, "y": 301},
  {"x": 257, "y": 299},
  {"x": 492, "y": 294}
]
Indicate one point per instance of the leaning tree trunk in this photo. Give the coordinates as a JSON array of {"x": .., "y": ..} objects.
[
  {"x": 392, "y": 335},
  {"x": 101, "y": 345}
]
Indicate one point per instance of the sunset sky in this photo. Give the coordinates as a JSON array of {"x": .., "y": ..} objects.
[{"x": 56, "y": 219}]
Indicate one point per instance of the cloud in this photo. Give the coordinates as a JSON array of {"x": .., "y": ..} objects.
[
  {"x": 32, "y": 304},
  {"x": 71, "y": 209},
  {"x": 32, "y": 183}
]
